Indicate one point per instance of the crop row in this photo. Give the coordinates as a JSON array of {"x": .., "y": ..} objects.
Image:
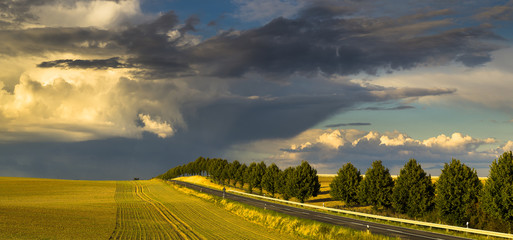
[
  {"x": 141, "y": 217},
  {"x": 206, "y": 218}
]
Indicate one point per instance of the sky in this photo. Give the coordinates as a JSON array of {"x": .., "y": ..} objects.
[{"x": 119, "y": 89}]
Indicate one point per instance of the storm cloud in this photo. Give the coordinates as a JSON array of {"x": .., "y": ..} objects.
[
  {"x": 95, "y": 63},
  {"x": 150, "y": 91},
  {"x": 321, "y": 38}
]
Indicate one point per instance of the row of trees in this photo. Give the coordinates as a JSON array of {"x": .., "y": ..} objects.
[
  {"x": 300, "y": 182},
  {"x": 457, "y": 197}
]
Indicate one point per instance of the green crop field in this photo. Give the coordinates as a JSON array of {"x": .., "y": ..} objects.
[
  {"x": 56, "y": 209},
  {"x": 66, "y": 209},
  {"x": 154, "y": 210}
]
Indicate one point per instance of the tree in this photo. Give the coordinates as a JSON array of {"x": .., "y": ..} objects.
[
  {"x": 257, "y": 174},
  {"x": 376, "y": 188},
  {"x": 233, "y": 170},
  {"x": 271, "y": 179},
  {"x": 285, "y": 183},
  {"x": 222, "y": 171},
  {"x": 248, "y": 176},
  {"x": 413, "y": 192},
  {"x": 305, "y": 182},
  {"x": 497, "y": 197},
  {"x": 457, "y": 192},
  {"x": 345, "y": 185},
  {"x": 239, "y": 177}
]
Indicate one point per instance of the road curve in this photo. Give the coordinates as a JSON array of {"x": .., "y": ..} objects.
[{"x": 376, "y": 228}]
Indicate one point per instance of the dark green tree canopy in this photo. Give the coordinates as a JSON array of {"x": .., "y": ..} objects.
[
  {"x": 232, "y": 171},
  {"x": 376, "y": 188},
  {"x": 305, "y": 182},
  {"x": 239, "y": 177},
  {"x": 271, "y": 179},
  {"x": 413, "y": 192},
  {"x": 497, "y": 198},
  {"x": 257, "y": 174},
  {"x": 344, "y": 186},
  {"x": 248, "y": 176},
  {"x": 457, "y": 192},
  {"x": 285, "y": 187}
]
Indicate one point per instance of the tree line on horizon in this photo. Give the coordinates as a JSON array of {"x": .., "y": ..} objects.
[
  {"x": 458, "y": 196},
  {"x": 300, "y": 182}
]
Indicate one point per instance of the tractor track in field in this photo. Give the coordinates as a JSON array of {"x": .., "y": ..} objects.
[{"x": 139, "y": 216}]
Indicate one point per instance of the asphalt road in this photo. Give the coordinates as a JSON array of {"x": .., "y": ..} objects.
[{"x": 375, "y": 228}]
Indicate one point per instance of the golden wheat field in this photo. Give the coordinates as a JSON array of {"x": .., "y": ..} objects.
[{"x": 67, "y": 209}]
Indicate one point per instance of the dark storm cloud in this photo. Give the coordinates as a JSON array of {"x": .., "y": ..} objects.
[
  {"x": 96, "y": 63},
  {"x": 17, "y": 11},
  {"x": 322, "y": 38},
  {"x": 287, "y": 110},
  {"x": 190, "y": 24},
  {"x": 38, "y": 41},
  {"x": 154, "y": 52},
  {"x": 384, "y": 108},
  {"x": 327, "y": 41},
  {"x": 237, "y": 120},
  {"x": 346, "y": 124}
]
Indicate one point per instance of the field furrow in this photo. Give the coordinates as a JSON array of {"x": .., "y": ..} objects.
[
  {"x": 181, "y": 227},
  {"x": 204, "y": 217},
  {"x": 140, "y": 217}
]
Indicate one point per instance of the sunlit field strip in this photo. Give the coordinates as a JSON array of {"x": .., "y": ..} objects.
[
  {"x": 206, "y": 218},
  {"x": 140, "y": 217},
  {"x": 181, "y": 227},
  {"x": 154, "y": 210}
]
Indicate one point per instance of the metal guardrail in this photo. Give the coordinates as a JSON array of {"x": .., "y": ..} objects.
[{"x": 392, "y": 219}]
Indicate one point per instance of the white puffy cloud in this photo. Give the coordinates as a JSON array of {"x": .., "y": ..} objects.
[
  {"x": 333, "y": 147},
  {"x": 340, "y": 138},
  {"x": 333, "y": 139},
  {"x": 162, "y": 129},
  {"x": 397, "y": 139},
  {"x": 508, "y": 146},
  {"x": 456, "y": 142}
]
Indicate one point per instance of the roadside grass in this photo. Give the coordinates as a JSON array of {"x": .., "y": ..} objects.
[
  {"x": 325, "y": 197},
  {"x": 283, "y": 223},
  {"x": 56, "y": 209}
]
